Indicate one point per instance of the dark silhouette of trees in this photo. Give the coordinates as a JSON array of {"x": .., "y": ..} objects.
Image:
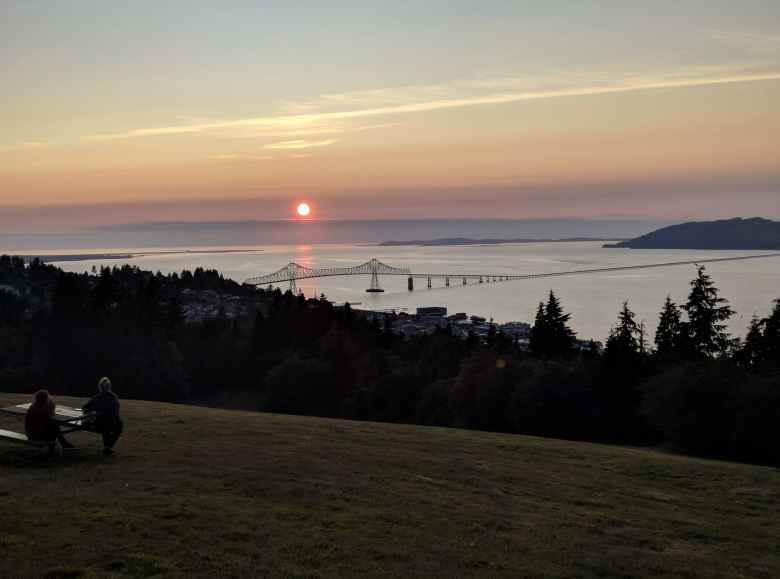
[
  {"x": 705, "y": 332},
  {"x": 750, "y": 352},
  {"x": 198, "y": 337},
  {"x": 668, "y": 335},
  {"x": 624, "y": 342},
  {"x": 551, "y": 336},
  {"x": 761, "y": 347},
  {"x": 770, "y": 350}
]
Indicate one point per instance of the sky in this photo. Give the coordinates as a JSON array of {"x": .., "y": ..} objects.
[{"x": 127, "y": 112}]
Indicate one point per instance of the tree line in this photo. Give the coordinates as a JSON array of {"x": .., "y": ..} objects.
[{"x": 693, "y": 387}]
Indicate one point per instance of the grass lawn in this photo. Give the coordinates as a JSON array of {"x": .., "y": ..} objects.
[{"x": 216, "y": 493}]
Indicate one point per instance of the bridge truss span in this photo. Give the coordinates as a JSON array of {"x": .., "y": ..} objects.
[
  {"x": 373, "y": 267},
  {"x": 295, "y": 271}
]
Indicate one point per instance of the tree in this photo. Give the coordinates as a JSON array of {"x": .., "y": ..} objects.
[
  {"x": 770, "y": 349},
  {"x": 551, "y": 336},
  {"x": 561, "y": 335},
  {"x": 623, "y": 344},
  {"x": 539, "y": 333},
  {"x": 750, "y": 353},
  {"x": 707, "y": 311},
  {"x": 762, "y": 343},
  {"x": 669, "y": 332}
]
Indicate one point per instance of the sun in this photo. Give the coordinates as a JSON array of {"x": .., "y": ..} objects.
[{"x": 303, "y": 209}]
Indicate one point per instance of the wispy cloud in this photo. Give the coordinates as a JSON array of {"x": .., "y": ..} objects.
[
  {"x": 420, "y": 99},
  {"x": 300, "y": 144},
  {"x": 240, "y": 157},
  {"x": 316, "y": 129}
]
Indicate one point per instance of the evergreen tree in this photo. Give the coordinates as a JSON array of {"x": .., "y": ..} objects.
[
  {"x": 561, "y": 335},
  {"x": 623, "y": 344},
  {"x": 770, "y": 342},
  {"x": 751, "y": 352},
  {"x": 551, "y": 336},
  {"x": 539, "y": 333},
  {"x": 707, "y": 311},
  {"x": 668, "y": 333}
]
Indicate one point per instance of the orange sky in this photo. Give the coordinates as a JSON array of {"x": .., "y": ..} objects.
[{"x": 426, "y": 113}]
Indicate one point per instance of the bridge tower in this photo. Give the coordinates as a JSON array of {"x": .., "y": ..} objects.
[{"x": 373, "y": 287}]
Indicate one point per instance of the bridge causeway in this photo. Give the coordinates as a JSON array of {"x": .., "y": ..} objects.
[{"x": 374, "y": 268}]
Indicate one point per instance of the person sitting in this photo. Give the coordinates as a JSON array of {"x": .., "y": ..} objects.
[
  {"x": 39, "y": 421},
  {"x": 105, "y": 405}
]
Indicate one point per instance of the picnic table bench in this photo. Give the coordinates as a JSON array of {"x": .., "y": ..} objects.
[{"x": 69, "y": 418}]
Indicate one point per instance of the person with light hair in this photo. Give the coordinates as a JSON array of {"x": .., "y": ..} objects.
[{"x": 105, "y": 406}]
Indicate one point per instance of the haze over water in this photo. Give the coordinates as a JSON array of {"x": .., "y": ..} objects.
[{"x": 592, "y": 299}]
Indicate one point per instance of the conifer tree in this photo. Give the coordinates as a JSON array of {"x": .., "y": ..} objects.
[
  {"x": 538, "y": 340},
  {"x": 770, "y": 343},
  {"x": 750, "y": 353},
  {"x": 551, "y": 336},
  {"x": 623, "y": 344},
  {"x": 707, "y": 311},
  {"x": 668, "y": 333},
  {"x": 561, "y": 336}
]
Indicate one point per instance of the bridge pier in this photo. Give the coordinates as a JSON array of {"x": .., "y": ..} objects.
[
  {"x": 410, "y": 284},
  {"x": 464, "y": 281},
  {"x": 429, "y": 282},
  {"x": 446, "y": 282}
]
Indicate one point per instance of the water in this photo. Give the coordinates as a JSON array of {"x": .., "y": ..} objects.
[{"x": 592, "y": 299}]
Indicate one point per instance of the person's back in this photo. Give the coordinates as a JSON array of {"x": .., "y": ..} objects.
[
  {"x": 37, "y": 421},
  {"x": 105, "y": 405}
]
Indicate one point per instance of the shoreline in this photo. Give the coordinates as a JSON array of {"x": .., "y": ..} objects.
[
  {"x": 55, "y": 258},
  {"x": 465, "y": 241}
]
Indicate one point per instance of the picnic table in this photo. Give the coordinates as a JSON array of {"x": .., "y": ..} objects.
[{"x": 69, "y": 418}]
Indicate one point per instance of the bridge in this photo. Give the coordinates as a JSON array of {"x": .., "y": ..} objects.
[{"x": 373, "y": 267}]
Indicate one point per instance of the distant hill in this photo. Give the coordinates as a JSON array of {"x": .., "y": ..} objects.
[
  {"x": 738, "y": 233},
  {"x": 197, "y": 492}
]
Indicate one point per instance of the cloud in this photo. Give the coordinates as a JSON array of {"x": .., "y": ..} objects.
[
  {"x": 465, "y": 94},
  {"x": 237, "y": 157},
  {"x": 325, "y": 128},
  {"x": 300, "y": 144}
]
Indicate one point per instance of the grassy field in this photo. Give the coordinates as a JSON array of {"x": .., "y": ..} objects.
[{"x": 212, "y": 493}]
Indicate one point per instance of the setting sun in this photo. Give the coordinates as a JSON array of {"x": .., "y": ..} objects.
[{"x": 303, "y": 209}]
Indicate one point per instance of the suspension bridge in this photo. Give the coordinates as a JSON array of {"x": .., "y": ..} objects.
[{"x": 292, "y": 272}]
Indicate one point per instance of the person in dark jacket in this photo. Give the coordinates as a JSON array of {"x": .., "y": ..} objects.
[
  {"x": 39, "y": 421},
  {"x": 105, "y": 405}
]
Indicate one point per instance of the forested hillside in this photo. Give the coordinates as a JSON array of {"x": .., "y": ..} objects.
[
  {"x": 196, "y": 337},
  {"x": 753, "y": 233}
]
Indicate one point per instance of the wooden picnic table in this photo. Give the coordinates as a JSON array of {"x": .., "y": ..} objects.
[
  {"x": 66, "y": 415},
  {"x": 71, "y": 419}
]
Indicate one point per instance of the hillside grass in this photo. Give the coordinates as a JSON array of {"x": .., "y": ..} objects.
[{"x": 197, "y": 492}]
